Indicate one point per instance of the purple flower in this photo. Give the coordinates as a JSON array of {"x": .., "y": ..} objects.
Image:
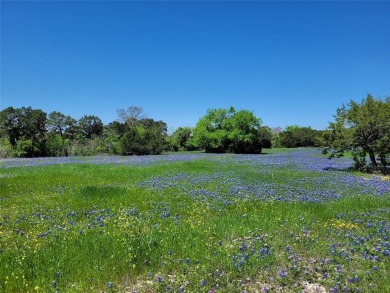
[{"x": 282, "y": 273}]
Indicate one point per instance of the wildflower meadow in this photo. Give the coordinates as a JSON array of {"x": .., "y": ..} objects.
[{"x": 283, "y": 221}]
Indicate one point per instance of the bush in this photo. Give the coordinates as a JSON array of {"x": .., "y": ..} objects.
[
  {"x": 143, "y": 141},
  {"x": 5, "y": 148}
]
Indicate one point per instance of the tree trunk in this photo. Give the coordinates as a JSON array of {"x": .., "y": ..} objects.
[
  {"x": 383, "y": 160},
  {"x": 372, "y": 158}
]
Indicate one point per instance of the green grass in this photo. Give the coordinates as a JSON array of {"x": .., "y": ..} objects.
[{"x": 104, "y": 228}]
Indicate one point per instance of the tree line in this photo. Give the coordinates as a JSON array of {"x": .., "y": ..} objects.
[
  {"x": 362, "y": 128},
  {"x": 28, "y": 132}
]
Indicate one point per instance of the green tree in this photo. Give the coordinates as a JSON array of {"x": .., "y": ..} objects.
[
  {"x": 148, "y": 137},
  {"x": 60, "y": 128},
  {"x": 225, "y": 130},
  {"x": 181, "y": 137},
  {"x": 25, "y": 128},
  {"x": 322, "y": 137},
  {"x": 243, "y": 133},
  {"x": 296, "y": 136},
  {"x": 155, "y": 134},
  {"x": 72, "y": 130},
  {"x": 90, "y": 126},
  {"x": 10, "y": 127},
  {"x": 59, "y": 123},
  {"x": 24, "y": 148},
  {"x": 6, "y": 149},
  {"x": 266, "y": 137},
  {"x": 112, "y": 134},
  {"x": 210, "y": 132},
  {"x": 56, "y": 145},
  {"x": 275, "y": 141},
  {"x": 365, "y": 130}
]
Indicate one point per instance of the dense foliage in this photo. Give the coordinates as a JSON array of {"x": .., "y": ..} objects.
[
  {"x": 144, "y": 137},
  {"x": 228, "y": 130},
  {"x": 27, "y": 132},
  {"x": 363, "y": 129},
  {"x": 180, "y": 140},
  {"x": 25, "y": 129},
  {"x": 296, "y": 136}
]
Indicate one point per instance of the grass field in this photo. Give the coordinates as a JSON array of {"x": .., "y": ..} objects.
[{"x": 285, "y": 221}]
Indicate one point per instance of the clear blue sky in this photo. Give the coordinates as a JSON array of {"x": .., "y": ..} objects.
[{"x": 291, "y": 63}]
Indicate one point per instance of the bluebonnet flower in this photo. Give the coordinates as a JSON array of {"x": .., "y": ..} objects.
[{"x": 282, "y": 273}]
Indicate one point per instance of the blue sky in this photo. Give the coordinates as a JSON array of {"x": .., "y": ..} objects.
[{"x": 291, "y": 63}]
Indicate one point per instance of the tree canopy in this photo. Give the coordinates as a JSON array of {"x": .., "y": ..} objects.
[
  {"x": 295, "y": 136},
  {"x": 228, "y": 130},
  {"x": 181, "y": 139},
  {"x": 90, "y": 126},
  {"x": 364, "y": 129},
  {"x": 25, "y": 128},
  {"x": 58, "y": 123},
  {"x": 145, "y": 137}
]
